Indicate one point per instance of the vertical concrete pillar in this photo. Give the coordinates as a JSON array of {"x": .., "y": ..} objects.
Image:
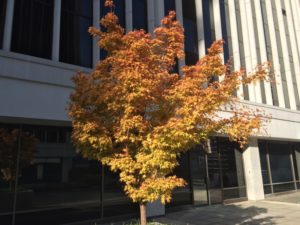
[
  {"x": 285, "y": 55},
  {"x": 128, "y": 13},
  {"x": 293, "y": 41},
  {"x": 8, "y": 24},
  {"x": 159, "y": 11},
  {"x": 151, "y": 15},
  {"x": 252, "y": 169},
  {"x": 275, "y": 56},
  {"x": 96, "y": 18},
  {"x": 262, "y": 47},
  {"x": 253, "y": 44},
  {"x": 235, "y": 43},
  {"x": 56, "y": 30},
  {"x": 247, "y": 45},
  {"x": 200, "y": 28}
]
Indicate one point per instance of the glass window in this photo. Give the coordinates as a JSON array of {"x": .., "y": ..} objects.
[
  {"x": 190, "y": 30},
  {"x": 139, "y": 14},
  {"x": 280, "y": 162},
  {"x": 115, "y": 202},
  {"x": 169, "y": 6},
  {"x": 32, "y": 27},
  {"x": 119, "y": 10},
  {"x": 225, "y": 28},
  {"x": 2, "y": 19},
  {"x": 263, "y": 162},
  {"x": 208, "y": 23},
  {"x": 75, "y": 41},
  {"x": 183, "y": 195}
]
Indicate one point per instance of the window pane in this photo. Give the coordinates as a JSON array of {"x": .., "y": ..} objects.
[
  {"x": 139, "y": 14},
  {"x": 119, "y": 10},
  {"x": 2, "y": 19},
  {"x": 280, "y": 162},
  {"x": 296, "y": 158},
  {"x": 169, "y": 6},
  {"x": 208, "y": 23},
  {"x": 32, "y": 27},
  {"x": 115, "y": 202},
  {"x": 190, "y": 30},
  {"x": 263, "y": 162},
  {"x": 182, "y": 196},
  {"x": 75, "y": 41}
]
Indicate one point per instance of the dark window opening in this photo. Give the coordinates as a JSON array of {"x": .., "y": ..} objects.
[
  {"x": 119, "y": 10},
  {"x": 139, "y": 14},
  {"x": 32, "y": 27},
  {"x": 169, "y": 6},
  {"x": 75, "y": 41},
  {"x": 190, "y": 30},
  {"x": 2, "y": 20}
]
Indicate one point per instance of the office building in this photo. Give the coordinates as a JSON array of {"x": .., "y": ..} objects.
[{"x": 44, "y": 42}]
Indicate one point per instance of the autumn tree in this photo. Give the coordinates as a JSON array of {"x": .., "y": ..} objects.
[
  {"x": 15, "y": 145},
  {"x": 137, "y": 117}
]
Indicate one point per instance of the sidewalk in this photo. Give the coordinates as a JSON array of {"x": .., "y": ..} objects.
[{"x": 246, "y": 213}]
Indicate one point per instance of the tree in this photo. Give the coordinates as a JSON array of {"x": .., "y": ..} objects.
[
  {"x": 137, "y": 117},
  {"x": 12, "y": 144}
]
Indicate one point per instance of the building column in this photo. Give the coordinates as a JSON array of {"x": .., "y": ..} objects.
[
  {"x": 96, "y": 19},
  {"x": 247, "y": 45},
  {"x": 253, "y": 44},
  {"x": 293, "y": 41},
  {"x": 262, "y": 47},
  {"x": 56, "y": 30},
  {"x": 159, "y": 12},
  {"x": 128, "y": 15},
  {"x": 285, "y": 54},
  {"x": 200, "y": 29},
  {"x": 235, "y": 44},
  {"x": 8, "y": 24},
  {"x": 151, "y": 10},
  {"x": 296, "y": 23},
  {"x": 252, "y": 169},
  {"x": 275, "y": 57}
]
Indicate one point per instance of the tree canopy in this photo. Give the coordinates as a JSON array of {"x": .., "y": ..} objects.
[{"x": 133, "y": 114}]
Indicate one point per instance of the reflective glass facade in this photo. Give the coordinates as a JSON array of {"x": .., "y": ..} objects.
[
  {"x": 58, "y": 186},
  {"x": 75, "y": 41},
  {"x": 279, "y": 162},
  {"x": 32, "y": 27},
  {"x": 212, "y": 177}
]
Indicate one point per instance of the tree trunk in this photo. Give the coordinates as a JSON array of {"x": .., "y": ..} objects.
[{"x": 143, "y": 214}]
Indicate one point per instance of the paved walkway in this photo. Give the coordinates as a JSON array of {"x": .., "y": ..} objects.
[
  {"x": 245, "y": 213},
  {"x": 281, "y": 210}
]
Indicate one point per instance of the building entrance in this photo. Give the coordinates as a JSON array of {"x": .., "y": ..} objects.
[{"x": 213, "y": 177}]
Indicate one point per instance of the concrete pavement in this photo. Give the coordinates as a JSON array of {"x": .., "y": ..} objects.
[{"x": 245, "y": 213}]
